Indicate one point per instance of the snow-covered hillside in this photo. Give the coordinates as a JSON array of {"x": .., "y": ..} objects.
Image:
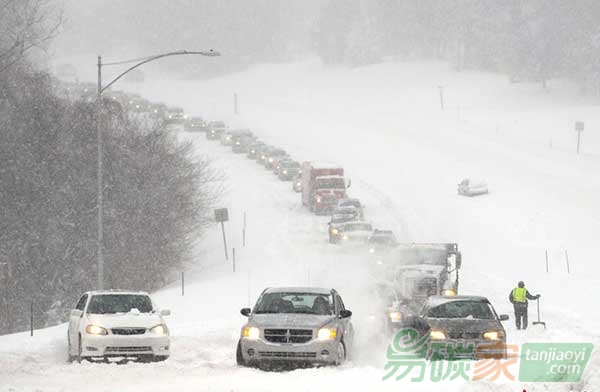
[{"x": 405, "y": 155}]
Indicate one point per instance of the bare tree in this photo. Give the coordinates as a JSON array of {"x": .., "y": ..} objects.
[{"x": 26, "y": 25}]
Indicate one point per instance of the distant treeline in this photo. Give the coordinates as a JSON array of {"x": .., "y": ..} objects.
[
  {"x": 157, "y": 193},
  {"x": 528, "y": 40},
  {"x": 533, "y": 40}
]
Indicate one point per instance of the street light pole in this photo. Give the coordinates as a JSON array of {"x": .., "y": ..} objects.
[
  {"x": 100, "y": 201},
  {"x": 99, "y": 179}
]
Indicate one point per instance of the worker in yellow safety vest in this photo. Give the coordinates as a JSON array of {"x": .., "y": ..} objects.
[{"x": 518, "y": 297}]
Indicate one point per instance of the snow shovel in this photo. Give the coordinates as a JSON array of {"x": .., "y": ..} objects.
[{"x": 538, "y": 322}]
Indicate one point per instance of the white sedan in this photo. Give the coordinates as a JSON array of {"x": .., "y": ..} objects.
[
  {"x": 470, "y": 187},
  {"x": 124, "y": 324}
]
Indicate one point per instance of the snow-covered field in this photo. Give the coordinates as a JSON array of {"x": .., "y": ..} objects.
[{"x": 405, "y": 155}]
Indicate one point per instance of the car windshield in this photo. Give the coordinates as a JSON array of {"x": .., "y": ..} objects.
[
  {"x": 290, "y": 164},
  {"x": 331, "y": 183},
  {"x": 302, "y": 303},
  {"x": 119, "y": 303},
  {"x": 342, "y": 218},
  {"x": 462, "y": 309}
]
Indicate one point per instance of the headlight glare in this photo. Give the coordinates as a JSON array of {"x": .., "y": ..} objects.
[
  {"x": 96, "y": 330},
  {"x": 493, "y": 335},
  {"x": 438, "y": 335},
  {"x": 395, "y": 316},
  {"x": 160, "y": 329},
  {"x": 449, "y": 292},
  {"x": 327, "y": 334},
  {"x": 251, "y": 333}
]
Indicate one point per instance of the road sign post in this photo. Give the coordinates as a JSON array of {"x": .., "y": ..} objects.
[
  {"x": 222, "y": 215},
  {"x": 579, "y": 126}
]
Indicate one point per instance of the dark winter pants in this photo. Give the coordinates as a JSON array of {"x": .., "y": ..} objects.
[{"x": 521, "y": 314}]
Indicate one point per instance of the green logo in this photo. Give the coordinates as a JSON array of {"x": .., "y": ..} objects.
[{"x": 554, "y": 362}]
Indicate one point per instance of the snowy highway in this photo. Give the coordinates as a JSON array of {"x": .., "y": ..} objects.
[{"x": 404, "y": 167}]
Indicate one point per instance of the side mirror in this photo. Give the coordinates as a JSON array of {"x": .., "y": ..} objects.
[
  {"x": 345, "y": 313},
  {"x": 165, "y": 312},
  {"x": 246, "y": 312},
  {"x": 503, "y": 317},
  {"x": 349, "y": 183},
  {"x": 76, "y": 313}
]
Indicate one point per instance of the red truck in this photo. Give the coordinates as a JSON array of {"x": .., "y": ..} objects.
[{"x": 322, "y": 186}]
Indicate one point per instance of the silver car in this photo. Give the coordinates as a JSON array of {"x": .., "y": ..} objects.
[{"x": 296, "y": 325}]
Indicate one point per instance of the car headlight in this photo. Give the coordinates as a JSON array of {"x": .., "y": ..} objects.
[
  {"x": 493, "y": 335},
  {"x": 372, "y": 250},
  {"x": 251, "y": 333},
  {"x": 436, "y": 334},
  {"x": 285, "y": 172},
  {"x": 345, "y": 236},
  {"x": 449, "y": 292},
  {"x": 395, "y": 317},
  {"x": 96, "y": 330},
  {"x": 160, "y": 329},
  {"x": 318, "y": 199},
  {"x": 270, "y": 160},
  {"x": 327, "y": 334},
  {"x": 334, "y": 231}
]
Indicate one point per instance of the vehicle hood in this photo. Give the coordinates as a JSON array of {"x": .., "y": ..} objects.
[
  {"x": 290, "y": 320},
  {"x": 124, "y": 320},
  {"x": 465, "y": 325}
]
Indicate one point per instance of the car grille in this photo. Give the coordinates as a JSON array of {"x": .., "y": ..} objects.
[
  {"x": 464, "y": 335},
  {"x": 288, "y": 335},
  {"x": 128, "y": 331},
  {"x": 125, "y": 349},
  {"x": 286, "y": 354}
]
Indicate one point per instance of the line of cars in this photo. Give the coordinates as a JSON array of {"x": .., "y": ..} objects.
[{"x": 417, "y": 283}]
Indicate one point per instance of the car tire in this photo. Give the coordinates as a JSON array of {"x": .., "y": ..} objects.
[
  {"x": 70, "y": 358},
  {"x": 239, "y": 357},
  {"x": 159, "y": 358},
  {"x": 79, "y": 357},
  {"x": 340, "y": 354}
]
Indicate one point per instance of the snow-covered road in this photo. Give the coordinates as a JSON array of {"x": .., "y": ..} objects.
[{"x": 405, "y": 159}]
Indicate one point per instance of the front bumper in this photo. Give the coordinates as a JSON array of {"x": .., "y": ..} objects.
[
  {"x": 314, "y": 351},
  {"x": 483, "y": 349},
  {"x": 124, "y": 345}
]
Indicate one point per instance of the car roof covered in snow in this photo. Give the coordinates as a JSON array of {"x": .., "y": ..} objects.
[
  {"x": 420, "y": 269},
  {"x": 107, "y": 292},
  {"x": 327, "y": 177},
  {"x": 436, "y": 300},
  {"x": 309, "y": 290},
  {"x": 358, "y": 223}
]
